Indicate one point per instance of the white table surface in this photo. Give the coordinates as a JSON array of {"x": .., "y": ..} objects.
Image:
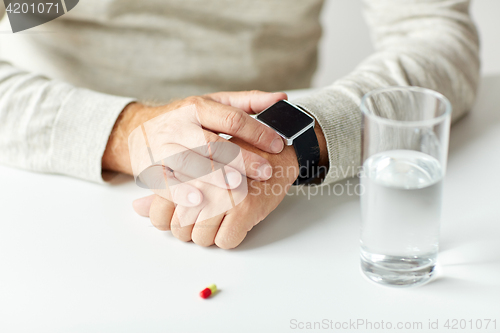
[{"x": 74, "y": 257}]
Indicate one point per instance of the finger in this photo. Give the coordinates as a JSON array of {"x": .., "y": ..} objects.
[
  {"x": 161, "y": 212},
  {"x": 253, "y": 101},
  {"x": 183, "y": 221},
  {"x": 233, "y": 230},
  {"x": 189, "y": 163},
  {"x": 233, "y": 121},
  {"x": 155, "y": 177},
  {"x": 215, "y": 206},
  {"x": 223, "y": 152},
  {"x": 185, "y": 195},
  {"x": 142, "y": 205},
  {"x": 163, "y": 183},
  {"x": 248, "y": 163},
  {"x": 204, "y": 232}
]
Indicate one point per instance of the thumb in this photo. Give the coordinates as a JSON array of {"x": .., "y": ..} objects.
[{"x": 253, "y": 101}]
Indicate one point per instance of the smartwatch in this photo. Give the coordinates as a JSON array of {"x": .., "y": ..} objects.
[{"x": 296, "y": 127}]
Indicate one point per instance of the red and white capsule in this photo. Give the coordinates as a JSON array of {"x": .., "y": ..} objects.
[{"x": 207, "y": 292}]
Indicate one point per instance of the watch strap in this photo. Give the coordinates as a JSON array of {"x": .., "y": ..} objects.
[{"x": 307, "y": 149}]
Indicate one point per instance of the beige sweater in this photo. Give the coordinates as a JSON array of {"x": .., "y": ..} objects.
[{"x": 60, "y": 82}]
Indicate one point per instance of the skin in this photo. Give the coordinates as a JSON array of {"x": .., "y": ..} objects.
[{"x": 228, "y": 229}]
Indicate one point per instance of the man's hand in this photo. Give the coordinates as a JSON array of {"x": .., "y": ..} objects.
[
  {"x": 229, "y": 229},
  {"x": 226, "y": 230},
  {"x": 178, "y": 128}
]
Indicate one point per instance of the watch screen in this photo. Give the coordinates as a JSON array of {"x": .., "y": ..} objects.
[{"x": 285, "y": 118}]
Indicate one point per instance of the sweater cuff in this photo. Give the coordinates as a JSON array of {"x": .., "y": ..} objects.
[
  {"x": 339, "y": 117},
  {"x": 81, "y": 131}
]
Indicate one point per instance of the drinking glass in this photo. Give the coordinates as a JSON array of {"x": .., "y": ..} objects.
[{"x": 405, "y": 134}]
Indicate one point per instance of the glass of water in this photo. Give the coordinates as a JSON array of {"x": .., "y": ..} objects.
[{"x": 405, "y": 136}]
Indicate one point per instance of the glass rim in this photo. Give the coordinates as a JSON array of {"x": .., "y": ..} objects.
[{"x": 432, "y": 121}]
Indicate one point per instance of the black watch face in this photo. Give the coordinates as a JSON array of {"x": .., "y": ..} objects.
[{"x": 285, "y": 118}]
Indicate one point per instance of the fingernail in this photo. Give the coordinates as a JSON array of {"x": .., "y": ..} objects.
[
  {"x": 277, "y": 145},
  {"x": 141, "y": 206},
  {"x": 233, "y": 179},
  {"x": 193, "y": 198},
  {"x": 265, "y": 171}
]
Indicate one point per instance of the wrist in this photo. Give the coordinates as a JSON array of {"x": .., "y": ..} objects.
[
  {"x": 285, "y": 165},
  {"x": 289, "y": 158},
  {"x": 323, "y": 151},
  {"x": 116, "y": 155}
]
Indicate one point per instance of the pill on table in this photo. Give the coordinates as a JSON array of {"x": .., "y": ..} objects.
[{"x": 207, "y": 292}]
